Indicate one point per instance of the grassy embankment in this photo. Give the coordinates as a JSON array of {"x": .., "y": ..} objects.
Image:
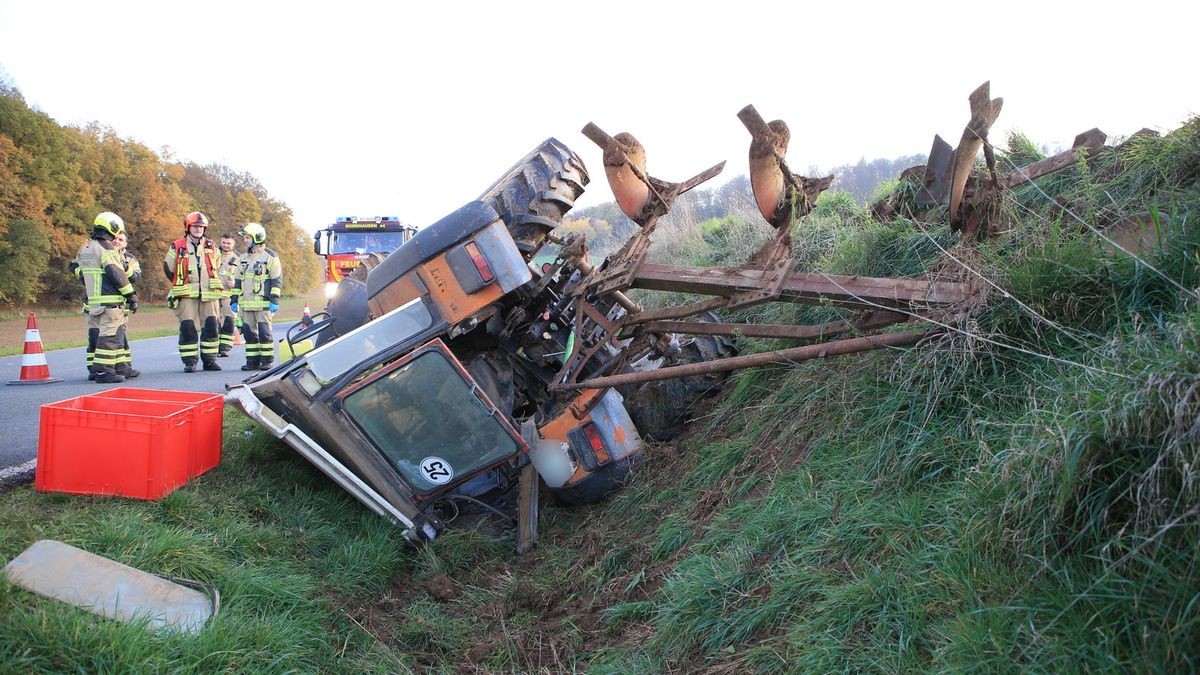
[{"x": 1019, "y": 494}]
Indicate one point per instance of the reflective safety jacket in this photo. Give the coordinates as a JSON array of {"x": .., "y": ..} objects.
[
  {"x": 260, "y": 279},
  {"x": 228, "y": 271},
  {"x": 192, "y": 269},
  {"x": 103, "y": 272}
]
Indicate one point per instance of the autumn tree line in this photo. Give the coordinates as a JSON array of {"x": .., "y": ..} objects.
[{"x": 55, "y": 179}]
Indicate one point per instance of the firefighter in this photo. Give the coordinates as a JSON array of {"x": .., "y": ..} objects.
[
  {"x": 133, "y": 271},
  {"x": 256, "y": 295},
  {"x": 228, "y": 271},
  {"x": 108, "y": 294},
  {"x": 191, "y": 265}
]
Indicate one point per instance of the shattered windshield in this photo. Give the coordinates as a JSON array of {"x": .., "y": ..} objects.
[
  {"x": 428, "y": 423},
  {"x": 330, "y": 361}
]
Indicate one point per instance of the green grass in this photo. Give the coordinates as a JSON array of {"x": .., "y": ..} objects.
[
  {"x": 1021, "y": 494},
  {"x": 285, "y": 549}
]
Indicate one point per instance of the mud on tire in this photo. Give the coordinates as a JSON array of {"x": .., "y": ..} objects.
[
  {"x": 661, "y": 409},
  {"x": 536, "y": 192}
]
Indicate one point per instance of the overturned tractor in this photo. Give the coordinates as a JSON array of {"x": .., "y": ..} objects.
[{"x": 454, "y": 370}]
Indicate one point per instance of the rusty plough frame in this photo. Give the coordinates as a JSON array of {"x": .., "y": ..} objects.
[{"x": 782, "y": 198}]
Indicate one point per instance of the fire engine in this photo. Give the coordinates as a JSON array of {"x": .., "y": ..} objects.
[{"x": 350, "y": 240}]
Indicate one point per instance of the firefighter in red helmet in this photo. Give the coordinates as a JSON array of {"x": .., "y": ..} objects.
[{"x": 192, "y": 265}]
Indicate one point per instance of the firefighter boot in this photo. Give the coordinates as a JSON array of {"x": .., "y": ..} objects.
[
  {"x": 91, "y": 373},
  {"x": 252, "y": 363},
  {"x": 265, "y": 364},
  {"x": 106, "y": 375},
  {"x": 189, "y": 366},
  {"x": 211, "y": 364},
  {"x": 127, "y": 371}
]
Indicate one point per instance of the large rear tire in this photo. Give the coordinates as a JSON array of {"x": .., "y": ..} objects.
[
  {"x": 662, "y": 409},
  {"x": 536, "y": 192}
]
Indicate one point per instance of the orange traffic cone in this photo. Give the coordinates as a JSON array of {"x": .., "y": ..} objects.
[
  {"x": 33, "y": 363},
  {"x": 307, "y": 318}
]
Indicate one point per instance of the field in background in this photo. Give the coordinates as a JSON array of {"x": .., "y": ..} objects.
[{"x": 66, "y": 328}]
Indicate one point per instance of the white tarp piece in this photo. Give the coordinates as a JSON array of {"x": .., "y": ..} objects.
[{"x": 97, "y": 584}]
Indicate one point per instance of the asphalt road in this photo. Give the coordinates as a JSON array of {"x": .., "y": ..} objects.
[{"x": 157, "y": 358}]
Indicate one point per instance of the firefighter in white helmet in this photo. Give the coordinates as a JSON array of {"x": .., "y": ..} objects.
[
  {"x": 109, "y": 292},
  {"x": 256, "y": 295}
]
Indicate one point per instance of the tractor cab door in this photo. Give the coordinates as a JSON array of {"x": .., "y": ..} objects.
[{"x": 431, "y": 422}]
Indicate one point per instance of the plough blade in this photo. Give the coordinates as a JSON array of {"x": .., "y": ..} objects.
[
  {"x": 984, "y": 111},
  {"x": 641, "y": 196},
  {"x": 782, "y": 197},
  {"x": 937, "y": 174},
  {"x": 625, "y": 167}
]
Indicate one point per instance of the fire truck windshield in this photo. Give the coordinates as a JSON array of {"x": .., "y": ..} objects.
[{"x": 365, "y": 242}]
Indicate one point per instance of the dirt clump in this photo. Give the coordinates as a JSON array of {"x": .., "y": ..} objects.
[{"x": 442, "y": 588}]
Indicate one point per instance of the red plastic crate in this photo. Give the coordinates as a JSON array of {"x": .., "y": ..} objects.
[
  {"x": 207, "y": 421},
  {"x": 105, "y": 446}
]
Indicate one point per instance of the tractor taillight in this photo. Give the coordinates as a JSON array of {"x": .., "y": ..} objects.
[
  {"x": 593, "y": 438},
  {"x": 480, "y": 262},
  {"x": 588, "y": 446}
]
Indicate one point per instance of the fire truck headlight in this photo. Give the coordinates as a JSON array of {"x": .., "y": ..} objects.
[{"x": 330, "y": 289}]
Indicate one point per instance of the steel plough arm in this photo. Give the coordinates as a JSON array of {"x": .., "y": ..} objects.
[{"x": 782, "y": 198}]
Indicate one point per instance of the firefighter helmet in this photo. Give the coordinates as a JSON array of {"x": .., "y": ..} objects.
[
  {"x": 256, "y": 232},
  {"x": 194, "y": 218},
  {"x": 110, "y": 223}
]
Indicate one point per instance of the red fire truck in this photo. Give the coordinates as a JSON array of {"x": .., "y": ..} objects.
[{"x": 349, "y": 240}]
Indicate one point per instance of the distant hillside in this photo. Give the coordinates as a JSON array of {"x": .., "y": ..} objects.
[
  {"x": 861, "y": 179},
  {"x": 607, "y": 228}
]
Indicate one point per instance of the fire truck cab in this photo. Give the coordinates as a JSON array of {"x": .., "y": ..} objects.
[{"x": 349, "y": 240}]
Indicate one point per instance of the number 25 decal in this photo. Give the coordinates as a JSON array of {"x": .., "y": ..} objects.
[{"x": 436, "y": 470}]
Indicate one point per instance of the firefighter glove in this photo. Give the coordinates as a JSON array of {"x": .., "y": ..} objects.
[
  {"x": 233, "y": 306},
  {"x": 132, "y": 302},
  {"x": 272, "y": 307}
]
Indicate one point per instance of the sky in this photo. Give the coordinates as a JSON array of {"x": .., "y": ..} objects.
[{"x": 411, "y": 109}]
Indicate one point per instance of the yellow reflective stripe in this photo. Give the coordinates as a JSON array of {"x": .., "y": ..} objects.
[{"x": 106, "y": 357}]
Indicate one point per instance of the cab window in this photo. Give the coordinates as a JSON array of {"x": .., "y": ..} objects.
[{"x": 429, "y": 422}]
